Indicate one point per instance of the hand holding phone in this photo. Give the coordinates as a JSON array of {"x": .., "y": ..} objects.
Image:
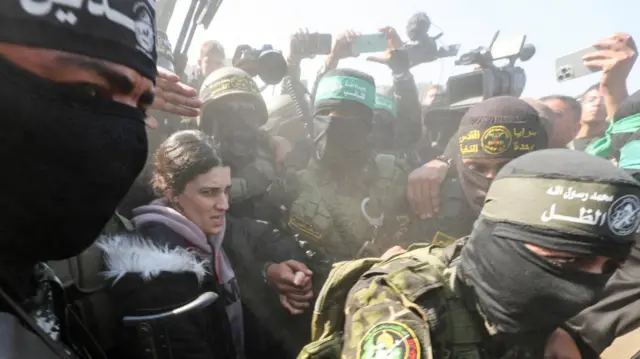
[
  {"x": 305, "y": 44},
  {"x": 572, "y": 66},
  {"x": 364, "y": 44}
]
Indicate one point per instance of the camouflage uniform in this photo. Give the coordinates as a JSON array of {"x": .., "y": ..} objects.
[
  {"x": 411, "y": 302},
  {"x": 328, "y": 214},
  {"x": 409, "y": 306}
]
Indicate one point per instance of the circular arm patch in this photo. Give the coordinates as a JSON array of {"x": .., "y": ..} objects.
[{"x": 389, "y": 340}]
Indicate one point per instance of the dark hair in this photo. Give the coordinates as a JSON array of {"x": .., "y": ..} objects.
[
  {"x": 181, "y": 158},
  {"x": 575, "y": 105},
  {"x": 589, "y": 89}
]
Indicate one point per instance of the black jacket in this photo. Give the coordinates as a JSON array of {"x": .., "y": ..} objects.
[
  {"x": 618, "y": 312},
  {"x": 157, "y": 274}
]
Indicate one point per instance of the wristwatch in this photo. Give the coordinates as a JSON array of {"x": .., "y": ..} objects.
[{"x": 444, "y": 159}]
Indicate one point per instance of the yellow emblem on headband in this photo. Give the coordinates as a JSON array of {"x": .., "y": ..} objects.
[{"x": 496, "y": 140}]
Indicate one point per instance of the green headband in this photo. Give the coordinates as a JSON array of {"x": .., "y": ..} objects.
[
  {"x": 583, "y": 208},
  {"x": 603, "y": 146},
  {"x": 386, "y": 103},
  {"x": 346, "y": 88}
]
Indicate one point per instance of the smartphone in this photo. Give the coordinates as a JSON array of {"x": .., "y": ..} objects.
[
  {"x": 315, "y": 44},
  {"x": 572, "y": 66},
  {"x": 369, "y": 43},
  {"x": 321, "y": 44}
]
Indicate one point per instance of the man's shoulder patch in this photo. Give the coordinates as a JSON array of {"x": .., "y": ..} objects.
[
  {"x": 391, "y": 340},
  {"x": 298, "y": 224}
]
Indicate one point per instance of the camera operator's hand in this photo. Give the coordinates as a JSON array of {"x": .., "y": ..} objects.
[
  {"x": 394, "y": 56},
  {"x": 342, "y": 49},
  {"x": 298, "y": 47},
  {"x": 393, "y": 43},
  {"x": 616, "y": 57},
  {"x": 175, "y": 97}
]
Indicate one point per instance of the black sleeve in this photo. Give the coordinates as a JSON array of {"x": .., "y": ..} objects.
[
  {"x": 409, "y": 128},
  {"x": 618, "y": 312},
  {"x": 269, "y": 244},
  {"x": 191, "y": 335}
]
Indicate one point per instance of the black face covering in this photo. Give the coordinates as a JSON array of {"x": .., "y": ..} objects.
[
  {"x": 474, "y": 185},
  {"x": 68, "y": 158},
  {"x": 341, "y": 143},
  {"x": 233, "y": 125},
  {"x": 518, "y": 290}
]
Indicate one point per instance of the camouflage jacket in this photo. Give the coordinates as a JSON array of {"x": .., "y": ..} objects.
[
  {"x": 413, "y": 306},
  {"x": 330, "y": 215}
]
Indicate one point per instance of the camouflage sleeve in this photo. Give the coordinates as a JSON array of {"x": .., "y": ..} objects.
[{"x": 380, "y": 323}]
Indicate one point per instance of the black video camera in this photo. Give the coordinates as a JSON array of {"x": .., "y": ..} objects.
[
  {"x": 266, "y": 63},
  {"x": 423, "y": 48},
  {"x": 489, "y": 80}
]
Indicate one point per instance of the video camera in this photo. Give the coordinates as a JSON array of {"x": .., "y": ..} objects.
[
  {"x": 266, "y": 63},
  {"x": 423, "y": 48},
  {"x": 488, "y": 81}
]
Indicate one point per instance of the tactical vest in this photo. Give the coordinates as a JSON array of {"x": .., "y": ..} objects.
[
  {"x": 335, "y": 223},
  {"x": 249, "y": 187},
  {"x": 460, "y": 338}
]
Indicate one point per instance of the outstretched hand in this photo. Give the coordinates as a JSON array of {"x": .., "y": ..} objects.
[{"x": 174, "y": 97}]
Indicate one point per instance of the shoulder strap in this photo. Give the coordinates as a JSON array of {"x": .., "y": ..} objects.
[
  {"x": 461, "y": 334},
  {"x": 334, "y": 293}
]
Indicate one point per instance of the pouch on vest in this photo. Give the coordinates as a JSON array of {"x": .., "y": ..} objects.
[{"x": 328, "y": 314}]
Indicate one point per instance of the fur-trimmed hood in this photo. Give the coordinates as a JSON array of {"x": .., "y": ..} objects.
[{"x": 125, "y": 254}]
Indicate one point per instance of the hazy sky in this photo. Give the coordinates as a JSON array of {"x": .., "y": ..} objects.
[{"x": 555, "y": 27}]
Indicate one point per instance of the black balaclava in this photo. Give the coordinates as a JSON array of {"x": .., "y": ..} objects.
[
  {"x": 69, "y": 156},
  {"x": 233, "y": 111},
  {"x": 501, "y": 127},
  {"x": 342, "y": 143},
  {"x": 560, "y": 200}
]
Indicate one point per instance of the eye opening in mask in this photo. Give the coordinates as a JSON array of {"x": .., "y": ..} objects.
[
  {"x": 579, "y": 262},
  {"x": 487, "y": 167}
]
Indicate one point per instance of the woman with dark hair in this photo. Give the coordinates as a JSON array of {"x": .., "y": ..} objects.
[{"x": 192, "y": 247}]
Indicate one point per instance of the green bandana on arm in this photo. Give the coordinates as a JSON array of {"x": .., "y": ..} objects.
[{"x": 603, "y": 147}]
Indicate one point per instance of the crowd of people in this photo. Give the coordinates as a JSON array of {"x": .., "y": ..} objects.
[{"x": 150, "y": 214}]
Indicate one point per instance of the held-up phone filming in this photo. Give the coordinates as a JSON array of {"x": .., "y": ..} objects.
[
  {"x": 572, "y": 66},
  {"x": 315, "y": 44},
  {"x": 369, "y": 43}
]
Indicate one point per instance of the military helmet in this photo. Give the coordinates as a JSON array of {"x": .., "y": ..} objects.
[{"x": 231, "y": 83}]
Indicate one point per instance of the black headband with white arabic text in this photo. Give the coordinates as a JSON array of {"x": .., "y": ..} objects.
[
  {"x": 500, "y": 141},
  {"x": 587, "y": 209},
  {"x": 120, "y": 31}
]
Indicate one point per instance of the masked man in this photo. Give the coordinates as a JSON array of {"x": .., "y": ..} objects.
[
  {"x": 490, "y": 134},
  {"x": 233, "y": 112},
  {"x": 347, "y": 193},
  {"x": 555, "y": 225},
  {"x": 76, "y": 85}
]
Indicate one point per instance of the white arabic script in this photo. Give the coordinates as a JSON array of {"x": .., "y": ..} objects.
[
  {"x": 586, "y": 216},
  {"x": 95, "y": 7},
  {"x": 571, "y": 194}
]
